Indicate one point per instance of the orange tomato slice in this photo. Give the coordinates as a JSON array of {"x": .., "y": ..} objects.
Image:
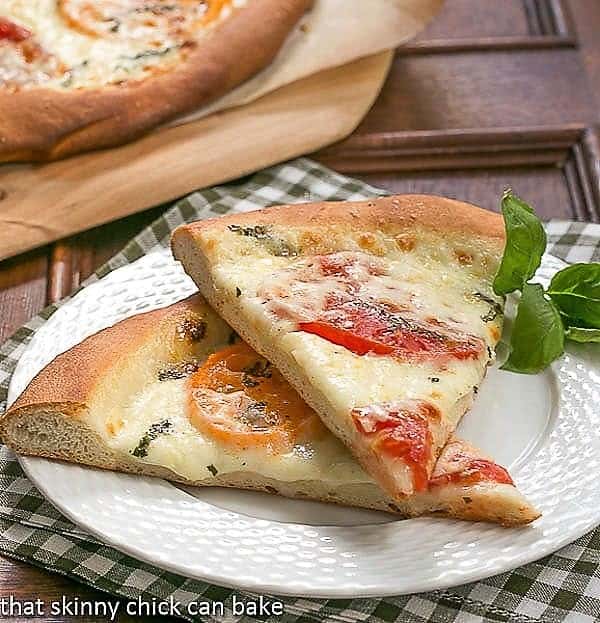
[
  {"x": 239, "y": 399},
  {"x": 213, "y": 11},
  {"x": 139, "y": 18}
]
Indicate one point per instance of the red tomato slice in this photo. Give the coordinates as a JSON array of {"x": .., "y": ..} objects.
[
  {"x": 356, "y": 343},
  {"x": 477, "y": 470},
  {"x": 13, "y": 32},
  {"x": 364, "y": 326},
  {"x": 402, "y": 432}
]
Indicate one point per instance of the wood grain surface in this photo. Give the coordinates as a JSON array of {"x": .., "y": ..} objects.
[{"x": 492, "y": 94}]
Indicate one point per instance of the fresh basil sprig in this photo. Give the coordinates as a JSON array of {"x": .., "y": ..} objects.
[
  {"x": 576, "y": 292},
  {"x": 525, "y": 245},
  {"x": 569, "y": 309},
  {"x": 538, "y": 335}
]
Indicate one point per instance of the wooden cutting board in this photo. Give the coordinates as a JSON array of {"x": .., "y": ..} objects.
[{"x": 42, "y": 203}]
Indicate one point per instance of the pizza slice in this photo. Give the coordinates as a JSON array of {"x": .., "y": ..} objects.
[
  {"x": 380, "y": 313},
  {"x": 174, "y": 393}
]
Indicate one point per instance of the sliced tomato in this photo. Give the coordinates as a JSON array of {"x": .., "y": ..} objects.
[
  {"x": 139, "y": 18},
  {"x": 400, "y": 432},
  {"x": 238, "y": 398},
  {"x": 214, "y": 10},
  {"x": 356, "y": 343},
  {"x": 13, "y": 32},
  {"x": 476, "y": 470},
  {"x": 335, "y": 265},
  {"x": 365, "y": 326}
]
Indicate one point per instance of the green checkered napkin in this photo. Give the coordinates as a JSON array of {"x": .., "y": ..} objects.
[{"x": 561, "y": 587}]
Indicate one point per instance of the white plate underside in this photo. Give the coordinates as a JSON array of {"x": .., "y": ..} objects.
[{"x": 544, "y": 428}]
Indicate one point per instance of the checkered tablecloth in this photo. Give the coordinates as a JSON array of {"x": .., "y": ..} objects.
[{"x": 561, "y": 587}]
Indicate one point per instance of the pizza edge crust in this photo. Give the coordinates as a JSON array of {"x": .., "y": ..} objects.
[
  {"x": 72, "y": 376},
  {"x": 48, "y": 420},
  {"x": 393, "y": 213},
  {"x": 41, "y": 124}
]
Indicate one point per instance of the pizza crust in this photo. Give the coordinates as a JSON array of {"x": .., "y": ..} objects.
[
  {"x": 393, "y": 214},
  {"x": 46, "y": 124}
]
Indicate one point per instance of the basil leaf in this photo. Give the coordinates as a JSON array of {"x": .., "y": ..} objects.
[
  {"x": 576, "y": 292},
  {"x": 538, "y": 336},
  {"x": 525, "y": 244},
  {"x": 581, "y": 334}
]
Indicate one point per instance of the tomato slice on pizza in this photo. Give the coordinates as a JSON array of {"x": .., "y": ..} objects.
[
  {"x": 240, "y": 399},
  {"x": 379, "y": 313},
  {"x": 9, "y": 31}
]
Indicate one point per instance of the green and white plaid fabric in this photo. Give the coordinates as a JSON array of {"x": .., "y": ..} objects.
[{"x": 561, "y": 587}]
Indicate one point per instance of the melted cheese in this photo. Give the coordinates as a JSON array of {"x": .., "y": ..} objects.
[
  {"x": 17, "y": 71},
  {"x": 188, "y": 453},
  {"x": 356, "y": 380},
  {"x": 350, "y": 380},
  {"x": 93, "y": 55}
]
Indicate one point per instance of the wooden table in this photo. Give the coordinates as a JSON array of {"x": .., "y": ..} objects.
[{"x": 492, "y": 94}]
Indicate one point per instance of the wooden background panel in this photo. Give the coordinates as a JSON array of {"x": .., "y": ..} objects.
[
  {"x": 586, "y": 17},
  {"x": 461, "y": 19},
  {"x": 493, "y": 89},
  {"x": 425, "y": 150},
  {"x": 543, "y": 187},
  {"x": 22, "y": 289},
  {"x": 474, "y": 25}
]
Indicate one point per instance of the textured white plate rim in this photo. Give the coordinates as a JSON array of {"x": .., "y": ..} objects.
[
  {"x": 272, "y": 589},
  {"x": 535, "y": 545}
]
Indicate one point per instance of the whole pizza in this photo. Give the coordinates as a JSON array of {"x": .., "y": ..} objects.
[{"x": 83, "y": 74}]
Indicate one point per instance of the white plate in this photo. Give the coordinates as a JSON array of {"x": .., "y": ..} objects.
[{"x": 544, "y": 428}]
